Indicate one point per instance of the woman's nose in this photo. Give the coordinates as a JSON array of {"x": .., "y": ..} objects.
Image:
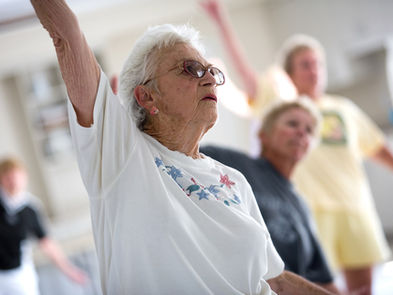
[
  {"x": 301, "y": 131},
  {"x": 208, "y": 79}
]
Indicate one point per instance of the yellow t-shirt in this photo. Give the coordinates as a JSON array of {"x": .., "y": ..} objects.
[{"x": 332, "y": 177}]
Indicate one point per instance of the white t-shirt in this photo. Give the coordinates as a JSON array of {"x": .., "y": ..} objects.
[{"x": 165, "y": 223}]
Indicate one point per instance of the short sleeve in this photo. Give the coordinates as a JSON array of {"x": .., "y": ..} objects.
[
  {"x": 103, "y": 148},
  {"x": 369, "y": 137},
  {"x": 274, "y": 261},
  {"x": 35, "y": 223}
]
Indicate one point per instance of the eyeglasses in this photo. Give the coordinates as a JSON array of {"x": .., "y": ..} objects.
[{"x": 197, "y": 70}]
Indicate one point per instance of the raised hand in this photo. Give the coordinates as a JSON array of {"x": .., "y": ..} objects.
[
  {"x": 214, "y": 9},
  {"x": 218, "y": 14}
]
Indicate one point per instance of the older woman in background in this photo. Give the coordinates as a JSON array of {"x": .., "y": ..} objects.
[
  {"x": 288, "y": 131},
  {"x": 332, "y": 178},
  {"x": 166, "y": 220}
]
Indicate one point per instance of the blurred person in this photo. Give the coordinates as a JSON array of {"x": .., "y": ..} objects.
[
  {"x": 166, "y": 219},
  {"x": 332, "y": 177},
  {"x": 287, "y": 132},
  {"x": 19, "y": 222}
]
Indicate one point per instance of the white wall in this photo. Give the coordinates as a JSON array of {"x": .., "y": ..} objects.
[
  {"x": 339, "y": 25},
  {"x": 15, "y": 138}
]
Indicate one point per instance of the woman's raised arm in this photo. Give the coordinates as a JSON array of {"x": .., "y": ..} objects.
[
  {"x": 79, "y": 68},
  {"x": 217, "y": 13}
]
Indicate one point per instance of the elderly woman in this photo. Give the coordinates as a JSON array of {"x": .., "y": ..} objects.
[
  {"x": 166, "y": 220},
  {"x": 332, "y": 178},
  {"x": 287, "y": 132}
]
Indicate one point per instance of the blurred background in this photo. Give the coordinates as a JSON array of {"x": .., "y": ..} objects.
[{"x": 357, "y": 36}]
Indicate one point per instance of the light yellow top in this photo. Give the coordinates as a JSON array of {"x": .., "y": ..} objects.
[{"x": 332, "y": 176}]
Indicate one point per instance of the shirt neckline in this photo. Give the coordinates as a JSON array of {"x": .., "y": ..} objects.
[
  {"x": 179, "y": 156},
  {"x": 14, "y": 204}
]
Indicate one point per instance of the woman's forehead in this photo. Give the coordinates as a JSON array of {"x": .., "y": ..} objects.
[
  {"x": 307, "y": 53},
  {"x": 296, "y": 112},
  {"x": 180, "y": 52}
]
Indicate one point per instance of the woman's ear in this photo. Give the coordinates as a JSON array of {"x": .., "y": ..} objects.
[{"x": 143, "y": 97}]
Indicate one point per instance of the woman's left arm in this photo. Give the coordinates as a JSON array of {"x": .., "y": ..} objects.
[{"x": 292, "y": 284}]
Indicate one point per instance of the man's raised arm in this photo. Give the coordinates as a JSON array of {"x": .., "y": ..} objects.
[{"x": 79, "y": 68}]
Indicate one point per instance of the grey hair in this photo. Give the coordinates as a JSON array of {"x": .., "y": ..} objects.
[
  {"x": 143, "y": 60},
  {"x": 297, "y": 43}
]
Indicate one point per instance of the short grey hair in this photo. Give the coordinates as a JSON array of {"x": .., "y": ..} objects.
[
  {"x": 294, "y": 45},
  {"x": 141, "y": 64}
]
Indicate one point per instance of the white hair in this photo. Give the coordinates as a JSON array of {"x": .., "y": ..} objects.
[
  {"x": 299, "y": 42},
  {"x": 142, "y": 62}
]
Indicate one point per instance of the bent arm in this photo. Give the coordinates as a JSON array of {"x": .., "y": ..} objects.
[
  {"x": 54, "y": 252},
  {"x": 217, "y": 13},
  {"x": 79, "y": 68},
  {"x": 290, "y": 283}
]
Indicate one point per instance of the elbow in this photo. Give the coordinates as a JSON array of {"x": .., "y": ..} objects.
[{"x": 276, "y": 284}]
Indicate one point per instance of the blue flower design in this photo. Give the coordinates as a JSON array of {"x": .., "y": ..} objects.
[
  {"x": 203, "y": 195},
  {"x": 213, "y": 190},
  {"x": 192, "y": 188},
  {"x": 201, "y": 191},
  {"x": 158, "y": 162},
  {"x": 236, "y": 199},
  {"x": 174, "y": 172}
]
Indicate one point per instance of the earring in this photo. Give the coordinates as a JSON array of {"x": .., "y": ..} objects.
[{"x": 154, "y": 111}]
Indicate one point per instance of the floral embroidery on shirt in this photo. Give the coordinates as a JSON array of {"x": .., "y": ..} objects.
[
  {"x": 203, "y": 195},
  {"x": 236, "y": 199},
  {"x": 174, "y": 173},
  {"x": 191, "y": 188},
  {"x": 158, "y": 162},
  {"x": 224, "y": 179},
  {"x": 213, "y": 190}
]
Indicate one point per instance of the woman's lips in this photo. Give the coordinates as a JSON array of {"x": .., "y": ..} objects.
[{"x": 210, "y": 97}]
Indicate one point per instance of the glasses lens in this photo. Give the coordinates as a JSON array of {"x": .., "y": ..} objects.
[
  {"x": 194, "y": 68},
  {"x": 218, "y": 75},
  {"x": 197, "y": 70}
]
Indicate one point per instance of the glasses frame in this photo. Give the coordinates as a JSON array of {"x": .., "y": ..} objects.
[{"x": 183, "y": 67}]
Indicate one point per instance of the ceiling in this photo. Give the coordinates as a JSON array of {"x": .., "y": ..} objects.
[{"x": 16, "y": 13}]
